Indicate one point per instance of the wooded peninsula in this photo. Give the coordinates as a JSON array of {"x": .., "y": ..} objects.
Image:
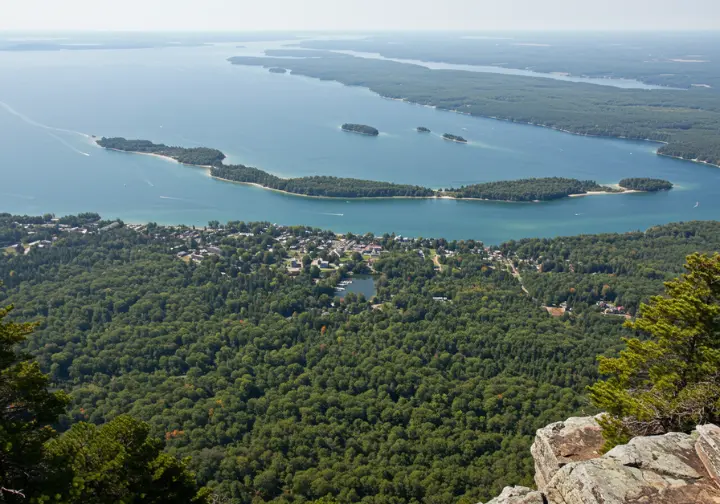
[{"x": 521, "y": 190}]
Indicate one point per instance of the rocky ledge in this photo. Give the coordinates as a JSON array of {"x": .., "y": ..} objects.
[{"x": 674, "y": 468}]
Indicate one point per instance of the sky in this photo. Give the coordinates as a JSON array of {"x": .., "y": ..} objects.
[{"x": 359, "y": 15}]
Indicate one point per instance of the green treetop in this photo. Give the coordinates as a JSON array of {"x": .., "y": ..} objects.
[
  {"x": 669, "y": 381},
  {"x": 117, "y": 463},
  {"x": 27, "y": 409}
]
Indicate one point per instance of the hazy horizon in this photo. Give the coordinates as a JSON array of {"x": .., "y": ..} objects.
[{"x": 360, "y": 15}]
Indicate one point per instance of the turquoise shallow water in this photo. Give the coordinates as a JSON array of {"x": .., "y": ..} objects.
[{"x": 289, "y": 125}]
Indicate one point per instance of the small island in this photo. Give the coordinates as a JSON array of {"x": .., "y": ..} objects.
[
  {"x": 360, "y": 128},
  {"x": 454, "y": 138},
  {"x": 199, "y": 156},
  {"x": 277, "y": 70},
  {"x": 645, "y": 184},
  {"x": 423, "y": 129},
  {"x": 530, "y": 189},
  {"x": 521, "y": 190}
]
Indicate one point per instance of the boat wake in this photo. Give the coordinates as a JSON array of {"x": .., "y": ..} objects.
[
  {"x": 32, "y": 122},
  {"x": 68, "y": 145},
  {"x": 335, "y": 214},
  {"x": 15, "y": 195},
  {"x": 171, "y": 198}
]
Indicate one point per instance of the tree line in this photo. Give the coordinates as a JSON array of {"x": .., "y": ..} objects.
[
  {"x": 646, "y": 184},
  {"x": 201, "y": 156},
  {"x": 531, "y": 189}
]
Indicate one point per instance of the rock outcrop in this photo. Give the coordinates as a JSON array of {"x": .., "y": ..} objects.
[
  {"x": 674, "y": 468},
  {"x": 708, "y": 449},
  {"x": 518, "y": 495},
  {"x": 574, "y": 440},
  {"x": 653, "y": 470}
]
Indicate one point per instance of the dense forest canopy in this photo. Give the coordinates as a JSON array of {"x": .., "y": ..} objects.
[
  {"x": 532, "y": 189},
  {"x": 330, "y": 187},
  {"x": 688, "y": 120},
  {"x": 646, "y": 184},
  {"x": 614, "y": 54},
  {"x": 454, "y": 138},
  {"x": 281, "y": 391},
  {"x": 201, "y": 156},
  {"x": 361, "y": 128},
  {"x": 623, "y": 269}
]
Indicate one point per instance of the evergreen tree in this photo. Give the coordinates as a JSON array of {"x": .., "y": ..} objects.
[
  {"x": 669, "y": 381},
  {"x": 117, "y": 462},
  {"x": 27, "y": 409}
]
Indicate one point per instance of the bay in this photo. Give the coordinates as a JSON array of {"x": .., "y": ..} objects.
[{"x": 289, "y": 125}]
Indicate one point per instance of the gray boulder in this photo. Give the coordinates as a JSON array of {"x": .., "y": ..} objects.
[
  {"x": 574, "y": 440},
  {"x": 518, "y": 495},
  {"x": 708, "y": 449},
  {"x": 648, "y": 470}
]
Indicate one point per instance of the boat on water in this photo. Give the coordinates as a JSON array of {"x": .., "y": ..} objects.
[{"x": 697, "y": 204}]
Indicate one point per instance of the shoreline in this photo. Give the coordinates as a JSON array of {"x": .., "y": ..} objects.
[
  {"x": 358, "y": 132},
  {"x": 161, "y": 156},
  {"x": 539, "y": 125},
  {"x": 696, "y": 160},
  {"x": 208, "y": 169}
]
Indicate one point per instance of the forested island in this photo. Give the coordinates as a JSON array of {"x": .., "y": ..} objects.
[
  {"x": 432, "y": 389},
  {"x": 360, "y": 128},
  {"x": 320, "y": 186},
  {"x": 531, "y": 189},
  {"x": 646, "y": 184},
  {"x": 200, "y": 156},
  {"x": 454, "y": 138},
  {"x": 522, "y": 190},
  {"x": 423, "y": 129},
  {"x": 688, "y": 121}
]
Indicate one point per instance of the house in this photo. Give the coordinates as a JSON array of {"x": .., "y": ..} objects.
[{"x": 110, "y": 226}]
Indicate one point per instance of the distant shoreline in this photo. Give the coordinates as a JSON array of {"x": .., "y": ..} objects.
[
  {"x": 208, "y": 169},
  {"x": 545, "y": 126}
]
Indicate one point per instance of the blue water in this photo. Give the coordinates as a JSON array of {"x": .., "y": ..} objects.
[
  {"x": 361, "y": 284},
  {"x": 289, "y": 125}
]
